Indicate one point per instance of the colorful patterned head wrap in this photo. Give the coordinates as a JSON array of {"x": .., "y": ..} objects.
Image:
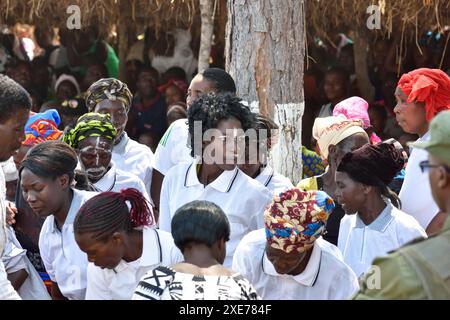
[
  {"x": 90, "y": 125},
  {"x": 108, "y": 89},
  {"x": 42, "y": 127},
  {"x": 431, "y": 86},
  {"x": 296, "y": 218}
]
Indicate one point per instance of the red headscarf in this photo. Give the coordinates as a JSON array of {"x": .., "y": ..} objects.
[{"x": 431, "y": 86}]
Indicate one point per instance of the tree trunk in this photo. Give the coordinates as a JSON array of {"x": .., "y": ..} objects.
[
  {"x": 265, "y": 48},
  {"x": 206, "y": 12},
  {"x": 366, "y": 89}
]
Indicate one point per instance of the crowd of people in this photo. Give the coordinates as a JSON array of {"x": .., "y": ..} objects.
[{"x": 102, "y": 197}]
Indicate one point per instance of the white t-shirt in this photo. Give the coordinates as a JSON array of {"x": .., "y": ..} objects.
[
  {"x": 326, "y": 276},
  {"x": 173, "y": 147},
  {"x": 119, "y": 283},
  {"x": 7, "y": 291},
  {"x": 416, "y": 191},
  {"x": 134, "y": 157},
  {"x": 64, "y": 262},
  {"x": 273, "y": 181},
  {"x": 116, "y": 180},
  {"x": 241, "y": 198},
  {"x": 360, "y": 244}
]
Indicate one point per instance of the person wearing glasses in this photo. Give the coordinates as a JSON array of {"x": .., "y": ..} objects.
[
  {"x": 373, "y": 224},
  {"x": 217, "y": 123},
  {"x": 421, "y": 94},
  {"x": 420, "y": 270}
]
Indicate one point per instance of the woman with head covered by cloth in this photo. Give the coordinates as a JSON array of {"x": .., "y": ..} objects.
[
  {"x": 113, "y": 97},
  {"x": 289, "y": 259},
  {"x": 373, "y": 224},
  {"x": 421, "y": 94},
  {"x": 93, "y": 140}
]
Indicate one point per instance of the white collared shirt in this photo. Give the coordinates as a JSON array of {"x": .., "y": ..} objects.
[
  {"x": 274, "y": 181},
  {"x": 173, "y": 147},
  {"x": 7, "y": 291},
  {"x": 116, "y": 180},
  {"x": 64, "y": 262},
  {"x": 326, "y": 276},
  {"x": 134, "y": 157},
  {"x": 360, "y": 243},
  {"x": 119, "y": 283},
  {"x": 416, "y": 191},
  {"x": 241, "y": 198}
]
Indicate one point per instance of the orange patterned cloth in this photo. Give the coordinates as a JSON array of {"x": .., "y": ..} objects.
[
  {"x": 42, "y": 127},
  {"x": 296, "y": 218},
  {"x": 431, "y": 86}
]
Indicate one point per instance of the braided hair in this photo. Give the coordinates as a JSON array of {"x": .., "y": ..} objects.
[{"x": 107, "y": 213}]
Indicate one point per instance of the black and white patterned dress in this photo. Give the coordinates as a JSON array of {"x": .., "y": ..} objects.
[{"x": 164, "y": 283}]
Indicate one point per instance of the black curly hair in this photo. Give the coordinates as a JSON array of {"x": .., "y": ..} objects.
[
  {"x": 212, "y": 108},
  {"x": 12, "y": 98}
]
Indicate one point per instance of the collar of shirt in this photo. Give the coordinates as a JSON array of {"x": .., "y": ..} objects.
[
  {"x": 73, "y": 210},
  {"x": 120, "y": 148},
  {"x": 151, "y": 250},
  {"x": 222, "y": 183},
  {"x": 308, "y": 277},
  {"x": 381, "y": 223},
  {"x": 265, "y": 176},
  {"x": 107, "y": 182}
]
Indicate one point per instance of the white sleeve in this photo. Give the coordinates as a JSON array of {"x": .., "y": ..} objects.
[
  {"x": 165, "y": 217},
  {"x": 45, "y": 256},
  {"x": 7, "y": 291},
  {"x": 96, "y": 285},
  {"x": 166, "y": 154},
  {"x": 242, "y": 261}
]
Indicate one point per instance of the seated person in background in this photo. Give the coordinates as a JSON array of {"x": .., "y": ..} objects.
[
  {"x": 289, "y": 259},
  {"x": 374, "y": 224},
  {"x": 175, "y": 112},
  {"x": 378, "y": 117},
  {"x": 93, "y": 140},
  {"x": 115, "y": 230},
  {"x": 149, "y": 107},
  {"x": 174, "y": 91},
  {"x": 336, "y": 87},
  {"x": 200, "y": 230},
  {"x": 66, "y": 88}
]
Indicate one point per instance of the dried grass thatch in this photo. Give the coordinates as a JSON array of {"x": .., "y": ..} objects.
[
  {"x": 156, "y": 13},
  {"x": 411, "y": 16}
]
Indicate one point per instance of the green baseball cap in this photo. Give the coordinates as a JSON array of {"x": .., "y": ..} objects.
[{"x": 439, "y": 142}]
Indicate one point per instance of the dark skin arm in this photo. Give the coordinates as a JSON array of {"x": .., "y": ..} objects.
[
  {"x": 17, "y": 278},
  {"x": 56, "y": 293},
  {"x": 157, "y": 180}
]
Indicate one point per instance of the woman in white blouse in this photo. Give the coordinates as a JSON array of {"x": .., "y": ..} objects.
[
  {"x": 373, "y": 224},
  {"x": 46, "y": 177},
  {"x": 115, "y": 230}
]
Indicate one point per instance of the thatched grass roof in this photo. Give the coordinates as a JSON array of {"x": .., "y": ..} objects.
[
  {"x": 323, "y": 16},
  {"x": 105, "y": 12}
]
